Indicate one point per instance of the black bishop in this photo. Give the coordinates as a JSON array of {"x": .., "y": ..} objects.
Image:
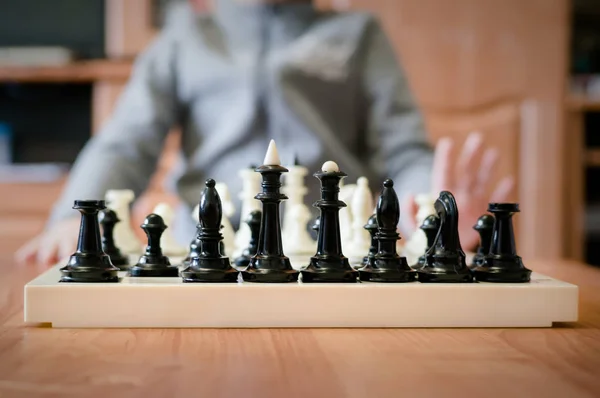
[
  {"x": 210, "y": 265},
  {"x": 387, "y": 265}
]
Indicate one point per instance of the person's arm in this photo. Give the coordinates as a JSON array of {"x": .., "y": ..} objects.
[
  {"x": 395, "y": 129},
  {"x": 125, "y": 152}
]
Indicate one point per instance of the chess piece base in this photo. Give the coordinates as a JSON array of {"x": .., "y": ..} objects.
[
  {"x": 265, "y": 269},
  {"x": 322, "y": 271},
  {"x": 241, "y": 263},
  {"x": 120, "y": 261},
  {"x": 89, "y": 269},
  {"x": 151, "y": 266},
  {"x": 478, "y": 261},
  {"x": 214, "y": 270},
  {"x": 445, "y": 270},
  {"x": 391, "y": 270},
  {"x": 502, "y": 270},
  {"x": 421, "y": 262}
]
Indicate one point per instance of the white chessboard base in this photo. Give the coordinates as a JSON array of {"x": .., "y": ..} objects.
[{"x": 170, "y": 303}]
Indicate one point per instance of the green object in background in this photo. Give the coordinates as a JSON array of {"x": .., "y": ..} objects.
[{"x": 5, "y": 144}]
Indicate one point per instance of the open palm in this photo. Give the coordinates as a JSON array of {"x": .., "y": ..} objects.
[{"x": 469, "y": 177}]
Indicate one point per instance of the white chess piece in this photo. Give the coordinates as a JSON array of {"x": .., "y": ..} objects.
[
  {"x": 300, "y": 245},
  {"x": 168, "y": 243},
  {"x": 295, "y": 238},
  {"x": 119, "y": 200},
  {"x": 346, "y": 193},
  {"x": 362, "y": 208},
  {"x": 417, "y": 244},
  {"x": 250, "y": 187},
  {"x": 228, "y": 211}
]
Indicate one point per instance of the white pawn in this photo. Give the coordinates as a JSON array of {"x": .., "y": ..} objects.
[
  {"x": 228, "y": 211},
  {"x": 168, "y": 243},
  {"x": 362, "y": 208},
  {"x": 251, "y": 181},
  {"x": 118, "y": 200},
  {"x": 417, "y": 244}
]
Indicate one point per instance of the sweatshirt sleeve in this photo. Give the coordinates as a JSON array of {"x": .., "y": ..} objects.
[
  {"x": 395, "y": 129},
  {"x": 125, "y": 152}
]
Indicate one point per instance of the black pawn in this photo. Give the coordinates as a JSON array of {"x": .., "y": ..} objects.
[
  {"x": 329, "y": 263},
  {"x": 502, "y": 264},
  {"x": 195, "y": 248},
  {"x": 269, "y": 264},
  {"x": 430, "y": 227},
  {"x": 89, "y": 263},
  {"x": 316, "y": 226},
  {"x": 371, "y": 227},
  {"x": 485, "y": 227},
  {"x": 387, "y": 266},
  {"x": 108, "y": 220},
  {"x": 253, "y": 222},
  {"x": 153, "y": 263},
  {"x": 210, "y": 265},
  {"x": 445, "y": 258}
]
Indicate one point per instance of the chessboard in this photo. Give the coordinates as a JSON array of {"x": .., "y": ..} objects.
[
  {"x": 355, "y": 275},
  {"x": 167, "y": 302}
]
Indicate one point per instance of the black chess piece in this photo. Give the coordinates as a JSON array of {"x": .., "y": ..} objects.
[
  {"x": 445, "y": 258},
  {"x": 89, "y": 263},
  {"x": 210, "y": 265},
  {"x": 195, "y": 248},
  {"x": 153, "y": 263},
  {"x": 387, "y": 266},
  {"x": 485, "y": 227},
  {"x": 329, "y": 263},
  {"x": 372, "y": 227},
  {"x": 269, "y": 264},
  {"x": 430, "y": 227},
  {"x": 502, "y": 264},
  {"x": 253, "y": 222},
  {"x": 108, "y": 220}
]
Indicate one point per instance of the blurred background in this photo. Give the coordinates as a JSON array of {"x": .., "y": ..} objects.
[{"x": 526, "y": 73}]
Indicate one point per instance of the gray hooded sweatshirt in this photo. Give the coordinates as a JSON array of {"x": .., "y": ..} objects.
[{"x": 323, "y": 85}]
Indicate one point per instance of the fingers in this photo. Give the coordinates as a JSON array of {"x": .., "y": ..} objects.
[
  {"x": 468, "y": 163},
  {"x": 409, "y": 216},
  {"x": 28, "y": 252},
  {"x": 486, "y": 171},
  {"x": 48, "y": 251},
  {"x": 66, "y": 248},
  {"x": 503, "y": 190},
  {"x": 442, "y": 166}
]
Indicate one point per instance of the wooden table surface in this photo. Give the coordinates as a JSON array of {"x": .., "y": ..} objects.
[{"x": 563, "y": 361}]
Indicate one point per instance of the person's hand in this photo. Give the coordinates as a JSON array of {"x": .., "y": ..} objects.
[
  {"x": 470, "y": 180},
  {"x": 52, "y": 245}
]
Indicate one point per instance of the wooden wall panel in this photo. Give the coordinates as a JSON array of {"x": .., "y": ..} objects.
[{"x": 466, "y": 59}]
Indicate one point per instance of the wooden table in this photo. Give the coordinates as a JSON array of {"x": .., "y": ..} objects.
[{"x": 563, "y": 361}]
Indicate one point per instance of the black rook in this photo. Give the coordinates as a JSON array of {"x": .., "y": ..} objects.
[
  {"x": 89, "y": 263},
  {"x": 502, "y": 264}
]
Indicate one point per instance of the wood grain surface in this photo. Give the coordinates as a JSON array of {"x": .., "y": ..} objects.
[{"x": 563, "y": 361}]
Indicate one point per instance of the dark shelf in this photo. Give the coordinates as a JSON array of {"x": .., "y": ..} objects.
[{"x": 50, "y": 123}]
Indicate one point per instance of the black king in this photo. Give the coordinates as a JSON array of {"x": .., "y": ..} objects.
[{"x": 269, "y": 264}]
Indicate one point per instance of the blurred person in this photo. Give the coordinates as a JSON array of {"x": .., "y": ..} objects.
[{"x": 324, "y": 85}]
